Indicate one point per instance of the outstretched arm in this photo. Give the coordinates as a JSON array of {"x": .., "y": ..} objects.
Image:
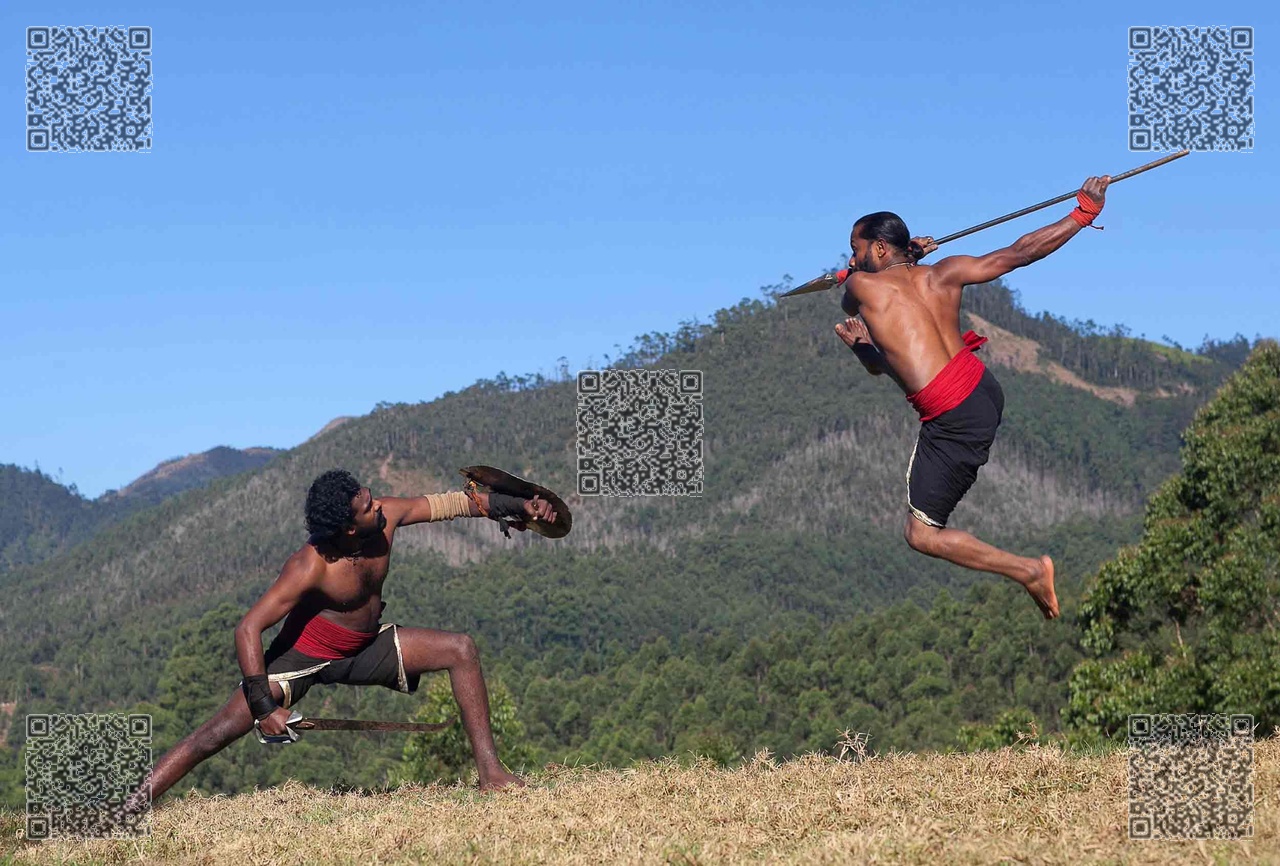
[
  {"x": 406, "y": 511},
  {"x": 447, "y": 506},
  {"x": 1031, "y": 247}
]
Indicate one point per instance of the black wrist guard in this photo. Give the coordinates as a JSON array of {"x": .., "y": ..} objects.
[
  {"x": 501, "y": 505},
  {"x": 257, "y": 691}
]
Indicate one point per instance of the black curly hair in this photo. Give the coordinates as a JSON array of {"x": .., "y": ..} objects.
[{"x": 329, "y": 503}]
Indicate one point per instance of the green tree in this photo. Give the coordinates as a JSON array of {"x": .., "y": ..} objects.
[
  {"x": 1011, "y": 728},
  {"x": 1185, "y": 620},
  {"x": 447, "y": 755},
  {"x": 203, "y": 668}
]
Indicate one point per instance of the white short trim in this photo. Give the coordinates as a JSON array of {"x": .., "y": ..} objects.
[
  {"x": 916, "y": 512},
  {"x": 402, "y": 681}
]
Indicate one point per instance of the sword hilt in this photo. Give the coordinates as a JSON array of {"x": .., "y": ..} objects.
[{"x": 291, "y": 736}]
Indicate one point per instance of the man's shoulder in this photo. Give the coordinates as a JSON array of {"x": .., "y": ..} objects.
[
  {"x": 307, "y": 560},
  {"x": 863, "y": 284},
  {"x": 888, "y": 284}
]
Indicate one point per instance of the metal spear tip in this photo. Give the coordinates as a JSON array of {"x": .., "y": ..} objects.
[{"x": 822, "y": 283}]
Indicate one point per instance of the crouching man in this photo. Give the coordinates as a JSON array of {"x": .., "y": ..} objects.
[{"x": 329, "y": 594}]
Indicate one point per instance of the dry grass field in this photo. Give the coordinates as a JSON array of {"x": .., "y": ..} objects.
[{"x": 1029, "y": 805}]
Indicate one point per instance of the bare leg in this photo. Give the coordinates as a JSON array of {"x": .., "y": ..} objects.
[
  {"x": 426, "y": 650},
  {"x": 226, "y": 726},
  {"x": 957, "y": 546}
]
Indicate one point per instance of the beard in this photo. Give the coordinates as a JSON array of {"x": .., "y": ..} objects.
[{"x": 381, "y": 525}]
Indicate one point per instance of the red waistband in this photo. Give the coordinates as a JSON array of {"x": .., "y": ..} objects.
[
  {"x": 323, "y": 639},
  {"x": 954, "y": 382}
]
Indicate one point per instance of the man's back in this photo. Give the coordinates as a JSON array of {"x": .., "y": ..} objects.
[{"x": 913, "y": 316}]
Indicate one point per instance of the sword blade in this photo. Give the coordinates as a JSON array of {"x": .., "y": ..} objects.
[{"x": 370, "y": 725}]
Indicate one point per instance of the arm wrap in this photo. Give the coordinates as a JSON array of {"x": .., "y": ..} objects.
[
  {"x": 1086, "y": 210},
  {"x": 447, "y": 506},
  {"x": 257, "y": 691},
  {"x": 501, "y": 505}
]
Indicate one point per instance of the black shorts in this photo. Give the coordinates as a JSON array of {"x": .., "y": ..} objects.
[
  {"x": 950, "y": 450},
  {"x": 379, "y": 664}
]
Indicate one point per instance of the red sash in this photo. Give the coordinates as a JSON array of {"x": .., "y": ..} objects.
[
  {"x": 323, "y": 639},
  {"x": 954, "y": 382}
]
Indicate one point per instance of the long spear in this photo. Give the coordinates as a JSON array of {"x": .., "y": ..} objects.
[{"x": 831, "y": 280}]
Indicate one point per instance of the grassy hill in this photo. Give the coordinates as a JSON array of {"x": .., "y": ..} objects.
[
  {"x": 800, "y": 529},
  {"x": 1034, "y": 805}
]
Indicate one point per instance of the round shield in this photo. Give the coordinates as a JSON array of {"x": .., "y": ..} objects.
[{"x": 504, "y": 482}]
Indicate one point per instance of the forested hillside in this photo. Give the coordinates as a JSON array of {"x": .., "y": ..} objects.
[
  {"x": 1186, "y": 619},
  {"x": 40, "y": 518},
  {"x": 761, "y": 613}
]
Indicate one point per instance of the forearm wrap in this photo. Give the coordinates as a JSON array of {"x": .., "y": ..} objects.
[
  {"x": 257, "y": 691},
  {"x": 869, "y": 355},
  {"x": 501, "y": 505},
  {"x": 1086, "y": 210},
  {"x": 447, "y": 506}
]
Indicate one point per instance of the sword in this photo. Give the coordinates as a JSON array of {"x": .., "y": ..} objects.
[
  {"x": 297, "y": 722},
  {"x": 831, "y": 280}
]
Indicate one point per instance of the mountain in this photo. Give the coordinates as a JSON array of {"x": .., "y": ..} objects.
[
  {"x": 800, "y": 527},
  {"x": 184, "y": 473},
  {"x": 40, "y": 518}
]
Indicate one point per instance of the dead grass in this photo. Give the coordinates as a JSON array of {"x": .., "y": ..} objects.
[{"x": 1034, "y": 805}]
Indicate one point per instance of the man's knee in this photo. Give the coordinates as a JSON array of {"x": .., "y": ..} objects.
[{"x": 919, "y": 537}]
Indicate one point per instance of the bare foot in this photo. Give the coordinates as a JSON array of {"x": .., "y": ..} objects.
[
  {"x": 498, "y": 780},
  {"x": 1041, "y": 589}
]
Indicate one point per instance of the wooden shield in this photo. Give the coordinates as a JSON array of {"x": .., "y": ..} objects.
[{"x": 504, "y": 482}]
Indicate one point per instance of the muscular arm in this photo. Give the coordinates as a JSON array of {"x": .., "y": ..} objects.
[
  {"x": 417, "y": 509},
  {"x": 871, "y": 358},
  {"x": 299, "y": 575},
  {"x": 967, "y": 270},
  {"x": 853, "y": 331},
  {"x": 1031, "y": 247}
]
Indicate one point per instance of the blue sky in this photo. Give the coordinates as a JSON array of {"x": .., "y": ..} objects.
[{"x": 349, "y": 204}]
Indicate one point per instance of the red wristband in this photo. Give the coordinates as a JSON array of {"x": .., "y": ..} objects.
[{"x": 1086, "y": 210}]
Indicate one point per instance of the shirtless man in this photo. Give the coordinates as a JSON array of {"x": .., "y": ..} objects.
[
  {"x": 904, "y": 320},
  {"x": 331, "y": 592}
]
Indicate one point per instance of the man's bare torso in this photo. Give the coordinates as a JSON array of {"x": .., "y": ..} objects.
[
  {"x": 914, "y": 320},
  {"x": 350, "y": 588}
]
